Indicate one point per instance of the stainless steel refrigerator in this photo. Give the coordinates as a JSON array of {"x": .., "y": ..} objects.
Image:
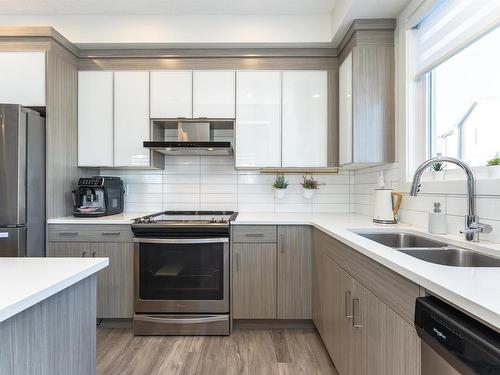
[{"x": 22, "y": 182}]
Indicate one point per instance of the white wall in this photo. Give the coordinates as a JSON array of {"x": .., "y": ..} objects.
[
  {"x": 182, "y": 28},
  {"x": 212, "y": 183}
]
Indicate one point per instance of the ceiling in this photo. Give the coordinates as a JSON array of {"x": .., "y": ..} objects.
[
  {"x": 87, "y": 23},
  {"x": 171, "y": 7}
]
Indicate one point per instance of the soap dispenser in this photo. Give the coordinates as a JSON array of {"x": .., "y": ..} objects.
[{"x": 437, "y": 220}]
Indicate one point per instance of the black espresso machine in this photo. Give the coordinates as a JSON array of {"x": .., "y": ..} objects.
[{"x": 98, "y": 196}]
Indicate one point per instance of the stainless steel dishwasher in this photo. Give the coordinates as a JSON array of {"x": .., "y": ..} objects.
[{"x": 453, "y": 342}]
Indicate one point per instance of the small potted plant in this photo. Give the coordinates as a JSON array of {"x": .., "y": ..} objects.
[
  {"x": 438, "y": 171},
  {"x": 494, "y": 167},
  {"x": 280, "y": 185},
  {"x": 308, "y": 187}
]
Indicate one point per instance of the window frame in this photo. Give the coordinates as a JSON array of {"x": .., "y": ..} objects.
[{"x": 413, "y": 111}]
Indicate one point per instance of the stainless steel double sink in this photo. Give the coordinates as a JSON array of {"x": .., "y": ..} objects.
[{"x": 430, "y": 250}]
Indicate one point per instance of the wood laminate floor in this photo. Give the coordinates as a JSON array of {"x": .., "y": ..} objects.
[{"x": 247, "y": 351}]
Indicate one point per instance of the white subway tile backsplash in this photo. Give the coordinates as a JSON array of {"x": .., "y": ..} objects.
[
  {"x": 218, "y": 189},
  {"x": 181, "y": 160},
  {"x": 182, "y": 169},
  {"x": 219, "y": 179},
  {"x": 218, "y": 198},
  {"x": 181, "y": 198}
]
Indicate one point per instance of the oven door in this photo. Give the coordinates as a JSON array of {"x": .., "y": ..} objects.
[{"x": 183, "y": 275}]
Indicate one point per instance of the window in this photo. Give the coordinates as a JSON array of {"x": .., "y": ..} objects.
[{"x": 464, "y": 103}]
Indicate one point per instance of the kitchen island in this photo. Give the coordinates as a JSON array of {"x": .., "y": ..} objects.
[{"x": 48, "y": 315}]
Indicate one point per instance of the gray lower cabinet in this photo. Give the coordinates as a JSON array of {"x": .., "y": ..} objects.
[
  {"x": 294, "y": 272},
  {"x": 362, "y": 334},
  {"x": 114, "y": 283},
  {"x": 254, "y": 281}
]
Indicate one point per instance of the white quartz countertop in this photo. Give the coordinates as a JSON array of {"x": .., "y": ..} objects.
[
  {"x": 24, "y": 282},
  {"x": 123, "y": 218},
  {"x": 475, "y": 290}
]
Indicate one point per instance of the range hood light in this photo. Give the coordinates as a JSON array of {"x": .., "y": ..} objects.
[
  {"x": 210, "y": 149},
  {"x": 168, "y": 149}
]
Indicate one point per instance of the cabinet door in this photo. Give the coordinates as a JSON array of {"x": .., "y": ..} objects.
[
  {"x": 345, "y": 111},
  {"x": 69, "y": 249},
  {"x": 318, "y": 289},
  {"x": 254, "y": 281},
  {"x": 22, "y": 77},
  {"x": 171, "y": 94},
  {"x": 115, "y": 283},
  {"x": 304, "y": 128},
  {"x": 95, "y": 119},
  {"x": 131, "y": 114},
  {"x": 294, "y": 272},
  {"x": 213, "y": 94},
  {"x": 385, "y": 342},
  {"x": 339, "y": 338},
  {"x": 258, "y": 119}
]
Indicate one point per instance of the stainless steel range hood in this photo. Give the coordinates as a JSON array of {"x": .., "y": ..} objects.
[{"x": 190, "y": 137}]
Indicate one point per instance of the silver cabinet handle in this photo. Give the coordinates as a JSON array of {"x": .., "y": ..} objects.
[
  {"x": 237, "y": 261},
  {"x": 254, "y": 234},
  {"x": 282, "y": 243},
  {"x": 84, "y": 254},
  {"x": 68, "y": 233},
  {"x": 110, "y": 233},
  {"x": 356, "y": 323},
  {"x": 348, "y": 304}
]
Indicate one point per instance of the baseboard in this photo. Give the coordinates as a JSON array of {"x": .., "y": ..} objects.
[
  {"x": 114, "y": 323},
  {"x": 273, "y": 323}
]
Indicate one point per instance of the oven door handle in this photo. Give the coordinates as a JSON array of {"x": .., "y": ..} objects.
[
  {"x": 181, "y": 240},
  {"x": 180, "y": 320}
]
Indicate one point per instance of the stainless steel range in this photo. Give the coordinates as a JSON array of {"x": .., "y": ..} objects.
[{"x": 181, "y": 273}]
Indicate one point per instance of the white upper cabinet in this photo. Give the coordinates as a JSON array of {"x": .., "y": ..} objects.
[
  {"x": 213, "y": 94},
  {"x": 22, "y": 78},
  {"x": 305, "y": 119},
  {"x": 345, "y": 111},
  {"x": 95, "y": 119},
  {"x": 171, "y": 94},
  {"x": 258, "y": 119},
  {"x": 131, "y": 118}
]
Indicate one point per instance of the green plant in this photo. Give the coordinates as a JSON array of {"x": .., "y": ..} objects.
[
  {"x": 437, "y": 167},
  {"x": 493, "y": 162},
  {"x": 309, "y": 183},
  {"x": 280, "y": 182}
]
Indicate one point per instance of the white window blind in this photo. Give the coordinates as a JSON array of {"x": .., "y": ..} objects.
[{"x": 449, "y": 27}]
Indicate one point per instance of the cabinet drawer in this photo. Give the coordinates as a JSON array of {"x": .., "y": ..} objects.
[
  {"x": 254, "y": 233},
  {"x": 89, "y": 233}
]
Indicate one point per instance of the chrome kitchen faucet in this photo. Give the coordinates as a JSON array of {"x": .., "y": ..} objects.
[{"x": 472, "y": 225}]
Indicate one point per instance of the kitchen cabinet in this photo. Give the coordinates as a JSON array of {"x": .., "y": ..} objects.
[
  {"x": 254, "y": 281},
  {"x": 95, "y": 119},
  {"x": 115, "y": 294},
  {"x": 22, "y": 77},
  {"x": 213, "y": 94},
  {"x": 115, "y": 282},
  {"x": 131, "y": 118},
  {"x": 366, "y": 106},
  {"x": 171, "y": 94},
  {"x": 305, "y": 119},
  {"x": 294, "y": 272},
  {"x": 361, "y": 332},
  {"x": 258, "y": 119}
]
